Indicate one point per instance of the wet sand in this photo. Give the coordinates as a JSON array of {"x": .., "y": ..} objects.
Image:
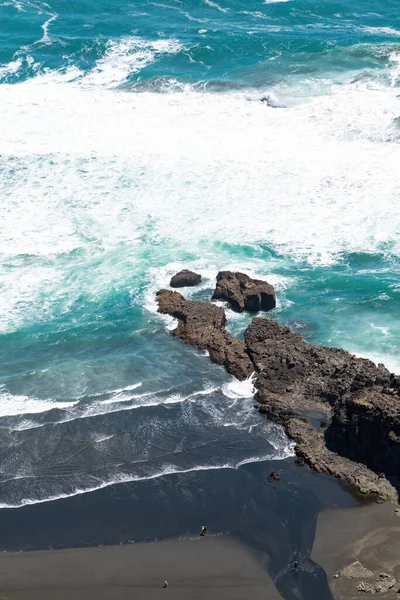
[
  {"x": 216, "y": 567},
  {"x": 274, "y": 522},
  {"x": 368, "y": 534},
  {"x": 196, "y": 568}
]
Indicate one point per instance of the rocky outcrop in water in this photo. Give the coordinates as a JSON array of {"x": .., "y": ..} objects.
[
  {"x": 294, "y": 370},
  {"x": 296, "y": 379},
  {"x": 242, "y": 292},
  {"x": 203, "y": 326},
  {"x": 299, "y": 385},
  {"x": 185, "y": 278}
]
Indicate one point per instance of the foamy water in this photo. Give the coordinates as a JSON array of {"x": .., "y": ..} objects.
[{"x": 129, "y": 154}]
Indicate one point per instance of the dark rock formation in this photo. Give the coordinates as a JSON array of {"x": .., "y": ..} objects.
[
  {"x": 312, "y": 450},
  {"x": 296, "y": 371},
  {"x": 368, "y": 426},
  {"x": 185, "y": 278},
  {"x": 359, "y": 401},
  {"x": 362, "y": 421},
  {"x": 243, "y": 293},
  {"x": 203, "y": 325},
  {"x": 273, "y": 477}
]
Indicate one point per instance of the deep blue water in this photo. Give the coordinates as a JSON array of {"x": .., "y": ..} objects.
[{"x": 133, "y": 142}]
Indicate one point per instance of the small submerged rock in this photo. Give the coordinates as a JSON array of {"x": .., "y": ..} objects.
[
  {"x": 273, "y": 477},
  {"x": 185, "y": 278},
  {"x": 242, "y": 292}
]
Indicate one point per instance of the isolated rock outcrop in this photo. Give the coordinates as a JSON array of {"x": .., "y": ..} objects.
[
  {"x": 185, "y": 278},
  {"x": 297, "y": 383},
  {"x": 242, "y": 292}
]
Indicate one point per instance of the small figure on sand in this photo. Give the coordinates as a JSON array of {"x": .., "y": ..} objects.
[
  {"x": 295, "y": 565},
  {"x": 165, "y": 584},
  {"x": 203, "y": 530}
]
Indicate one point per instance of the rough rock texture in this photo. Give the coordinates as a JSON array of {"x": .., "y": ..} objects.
[
  {"x": 203, "y": 325},
  {"x": 358, "y": 401},
  {"x": 291, "y": 368},
  {"x": 243, "y": 293},
  {"x": 356, "y": 571},
  {"x": 363, "y": 415},
  {"x": 311, "y": 449},
  {"x": 382, "y": 584},
  {"x": 185, "y": 278},
  {"x": 368, "y": 426}
]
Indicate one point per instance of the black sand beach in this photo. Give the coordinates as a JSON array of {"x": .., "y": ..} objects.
[
  {"x": 368, "y": 534},
  {"x": 196, "y": 568},
  {"x": 275, "y": 522},
  {"x": 217, "y": 566}
]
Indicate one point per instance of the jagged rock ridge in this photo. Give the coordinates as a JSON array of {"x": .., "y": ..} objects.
[{"x": 358, "y": 400}]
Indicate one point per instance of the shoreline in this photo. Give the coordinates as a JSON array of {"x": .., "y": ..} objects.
[
  {"x": 213, "y": 567},
  {"x": 274, "y": 521},
  {"x": 277, "y": 527},
  {"x": 223, "y": 565}
]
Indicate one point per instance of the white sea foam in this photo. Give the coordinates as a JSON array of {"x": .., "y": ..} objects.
[
  {"x": 104, "y": 484},
  {"x": 216, "y": 5},
  {"x": 381, "y": 30},
  {"x": 105, "y": 407},
  {"x": 239, "y": 389},
  {"x": 167, "y": 470},
  {"x": 207, "y": 168},
  {"x": 383, "y": 330},
  {"x": 119, "y": 402},
  {"x": 113, "y": 392},
  {"x": 128, "y": 388},
  {"x": 11, "y": 404},
  {"x": 154, "y": 440},
  {"x": 127, "y": 56},
  {"x": 11, "y": 68},
  {"x": 391, "y": 361},
  {"x": 238, "y": 153},
  {"x": 46, "y": 38}
]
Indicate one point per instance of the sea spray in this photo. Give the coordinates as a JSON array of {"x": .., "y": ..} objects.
[{"x": 136, "y": 145}]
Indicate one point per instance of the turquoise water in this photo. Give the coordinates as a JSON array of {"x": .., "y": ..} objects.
[{"x": 133, "y": 142}]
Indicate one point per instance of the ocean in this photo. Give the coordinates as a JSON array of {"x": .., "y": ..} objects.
[{"x": 134, "y": 142}]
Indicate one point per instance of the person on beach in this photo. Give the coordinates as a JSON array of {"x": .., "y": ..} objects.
[
  {"x": 295, "y": 564},
  {"x": 203, "y": 530},
  {"x": 165, "y": 584}
]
